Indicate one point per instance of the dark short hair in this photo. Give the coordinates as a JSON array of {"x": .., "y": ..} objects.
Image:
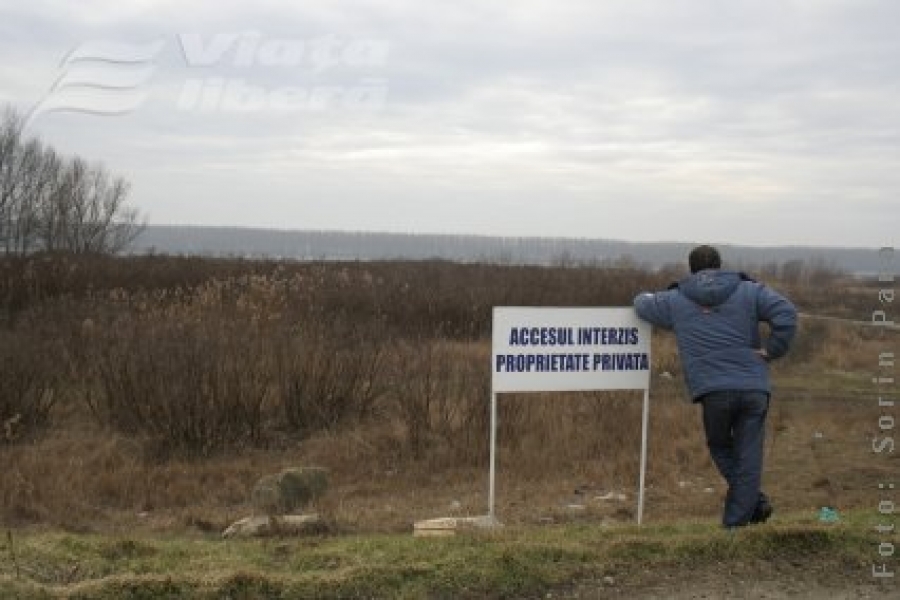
[{"x": 704, "y": 257}]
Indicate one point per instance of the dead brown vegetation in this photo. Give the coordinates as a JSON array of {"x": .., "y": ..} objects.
[{"x": 164, "y": 386}]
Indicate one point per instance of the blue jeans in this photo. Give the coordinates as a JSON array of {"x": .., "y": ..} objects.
[{"x": 734, "y": 422}]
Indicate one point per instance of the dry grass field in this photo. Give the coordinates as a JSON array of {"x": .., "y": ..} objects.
[{"x": 149, "y": 394}]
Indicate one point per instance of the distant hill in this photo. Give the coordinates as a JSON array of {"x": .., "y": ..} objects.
[{"x": 337, "y": 245}]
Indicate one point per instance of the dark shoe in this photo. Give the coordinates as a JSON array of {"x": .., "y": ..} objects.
[{"x": 763, "y": 511}]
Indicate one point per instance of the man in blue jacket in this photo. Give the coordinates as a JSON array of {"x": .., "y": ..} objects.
[{"x": 715, "y": 315}]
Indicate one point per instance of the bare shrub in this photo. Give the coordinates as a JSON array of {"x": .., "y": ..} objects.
[
  {"x": 419, "y": 377},
  {"x": 328, "y": 374},
  {"x": 419, "y": 380},
  {"x": 441, "y": 391},
  {"x": 469, "y": 390},
  {"x": 188, "y": 372},
  {"x": 28, "y": 384}
]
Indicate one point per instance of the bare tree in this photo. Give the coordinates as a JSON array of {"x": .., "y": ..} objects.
[
  {"x": 10, "y": 143},
  {"x": 37, "y": 174},
  {"x": 52, "y": 203},
  {"x": 95, "y": 215}
]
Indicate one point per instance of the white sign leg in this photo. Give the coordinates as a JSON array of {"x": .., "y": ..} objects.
[
  {"x": 493, "y": 468},
  {"x": 644, "y": 423}
]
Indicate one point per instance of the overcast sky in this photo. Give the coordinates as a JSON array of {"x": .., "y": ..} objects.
[{"x": 754, "y": 122}]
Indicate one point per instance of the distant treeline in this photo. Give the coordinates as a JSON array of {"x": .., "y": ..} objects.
[{"x": 336, "y": 245}]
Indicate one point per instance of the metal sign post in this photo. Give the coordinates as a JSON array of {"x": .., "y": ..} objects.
[{"x": 568, "y": 349}]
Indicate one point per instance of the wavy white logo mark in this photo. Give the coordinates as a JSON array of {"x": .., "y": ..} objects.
[{"x": 101, "y": 78}]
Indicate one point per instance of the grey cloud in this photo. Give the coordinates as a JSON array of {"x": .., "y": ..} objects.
[{"x": 577, "y": 113}]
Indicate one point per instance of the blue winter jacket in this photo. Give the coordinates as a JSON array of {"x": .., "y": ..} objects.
[{"x": 715, "y": 315}]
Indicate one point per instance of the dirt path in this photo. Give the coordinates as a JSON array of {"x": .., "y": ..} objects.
[{"x": 760, "y": 581}]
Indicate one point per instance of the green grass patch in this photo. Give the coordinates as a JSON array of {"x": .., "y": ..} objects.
[{"x": 508, "y": 562}]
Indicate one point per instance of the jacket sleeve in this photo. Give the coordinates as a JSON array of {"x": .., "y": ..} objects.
[
  {"x": 655, "y": 308},
  {"x": 781, "y": 315}
]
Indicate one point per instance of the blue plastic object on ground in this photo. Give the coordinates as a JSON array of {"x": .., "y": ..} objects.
[{"x": 828, "y": 515}]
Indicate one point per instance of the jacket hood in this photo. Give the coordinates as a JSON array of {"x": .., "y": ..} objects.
[{"x": 711, "y": 287}]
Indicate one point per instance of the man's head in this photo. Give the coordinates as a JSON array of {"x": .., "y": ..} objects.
[{"x": 704, "y": 257}]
